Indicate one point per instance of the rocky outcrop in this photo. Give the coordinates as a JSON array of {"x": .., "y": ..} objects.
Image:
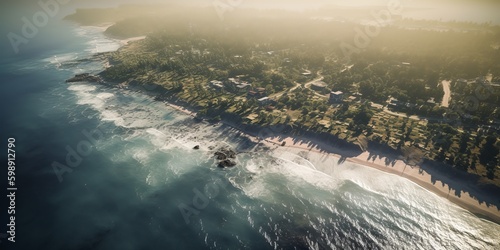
[
  {"x": 227, "y": 164},
  {"x": 224, "y": 157},
  {"x": 85, "y": 77},
  {"x": 223, "y": 154}
]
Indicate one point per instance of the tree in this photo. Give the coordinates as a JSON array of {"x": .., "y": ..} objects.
[
  {"x": 363, "y": 116},
  {"x": 489, "y": 151},
  {"x": 366, "y": 89},
  {"x": 305, "y": 110},
  {"x": 490, "y": 170},
  {"x": 489, "y": 156},
  {"x": 461, "y": 162},
  {"x": 464, "y": 140},
  {"x": 323, "y": 108}
]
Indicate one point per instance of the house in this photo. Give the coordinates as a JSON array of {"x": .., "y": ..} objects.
[
  {"x": 336, "y": 97},
  {"x": 252, "y": 94},
  {"x": 261, "y": 90},
  {"x": 257, "y": 93},
  {"x": 218, "y": 85},
  {"x": 264, "y": 101},
  {"x": 307, "y": 73},
  {"x": 431, "y": 102},
  {"x": 233, "y": 81},
  {"x": 393, "y": 103},
  {"x": 235, "y": 85},
  {"x": 270, "y": 108},
  {"x": 243, "y": 87},
  {"x": 357, "y": 94}
]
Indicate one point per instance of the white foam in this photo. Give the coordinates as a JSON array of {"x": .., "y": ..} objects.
[
  {"x": 102, "y": 44},
  {"x": 58, "y": 60},
  {"x": 295, "y": 166},
  {"x": 104, "y": 96},
  {"x": 81, "y": 87},
  {"x": 108, "y": 115},
  {"x": 99, "y": 43},
  {"x": 147, "y": 118},
  {"x": 85, "y": 95}
]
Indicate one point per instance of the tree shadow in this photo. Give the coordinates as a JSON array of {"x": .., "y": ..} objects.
[{"x": 459, "y": 183}]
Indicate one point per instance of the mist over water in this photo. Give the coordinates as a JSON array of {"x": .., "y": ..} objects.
[{"x": 126, "y": 194}]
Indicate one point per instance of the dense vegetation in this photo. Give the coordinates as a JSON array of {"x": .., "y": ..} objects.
[{"x": 284, "y": 53}]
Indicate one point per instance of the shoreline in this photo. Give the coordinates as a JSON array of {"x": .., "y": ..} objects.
[
  {"x": 397, "y": 167},
  {"x": 414, "y": 174},
  {"x": 131, "y": 39}
]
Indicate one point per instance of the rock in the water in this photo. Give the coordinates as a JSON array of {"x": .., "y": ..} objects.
[
  {"x": 85, "y": 77},
  {"x": 228, "y": 152},
  {"x": 227, "y": 164},
  {"x": 231, "y": 154},
  {"x": 225, "y": 155},
  {"x": 197, "y": 147},
  {"x": 220, "y": 156}
]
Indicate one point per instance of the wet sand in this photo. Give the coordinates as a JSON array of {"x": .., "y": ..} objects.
[
  {"x": 392, "y": 166},
  {"x": 399, "y": 168}
]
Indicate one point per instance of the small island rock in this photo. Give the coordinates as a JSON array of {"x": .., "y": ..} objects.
[{"x": 227, "y": 164}]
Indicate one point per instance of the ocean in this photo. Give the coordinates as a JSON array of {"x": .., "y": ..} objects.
[{"x": 103, "y": 168}]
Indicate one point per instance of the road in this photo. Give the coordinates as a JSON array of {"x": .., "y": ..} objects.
[
  {"x": 279, "y": 94},
  {"x": 307, "y": 85},
  {"x": 404, "y": 115},
  {"x": 447, "y": 93}
]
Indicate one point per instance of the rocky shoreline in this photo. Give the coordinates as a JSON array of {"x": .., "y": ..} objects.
[
  {"x": 344, "y": 149},
  {"x": 86, "y": 77}
]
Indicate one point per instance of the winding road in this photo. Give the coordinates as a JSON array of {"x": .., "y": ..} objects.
[
  {"x": 306, "y": 85},
  {"x": 447, "y": 93}
]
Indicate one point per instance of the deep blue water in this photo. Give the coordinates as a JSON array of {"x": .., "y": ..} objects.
[{"x": 141, "y": 175}]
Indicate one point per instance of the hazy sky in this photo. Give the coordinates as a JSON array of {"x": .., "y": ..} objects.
[
  {"x": 12, "y": 12},
  {"x": 428, "y": 3},
  {"x": 463, "y": 10}
]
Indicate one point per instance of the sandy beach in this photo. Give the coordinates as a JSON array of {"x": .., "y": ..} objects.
[
  {"x": 392, "y": 166},
  {"x": 399, "y": 168},
  {"x": 181, "y": 109}
]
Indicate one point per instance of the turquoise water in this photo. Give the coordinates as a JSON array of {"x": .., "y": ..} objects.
[{"x": 141, "y": 186}]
